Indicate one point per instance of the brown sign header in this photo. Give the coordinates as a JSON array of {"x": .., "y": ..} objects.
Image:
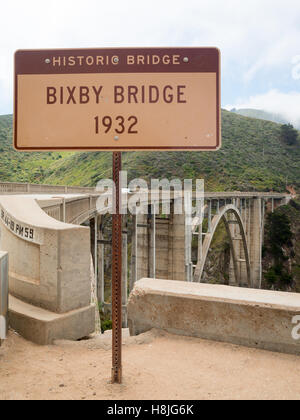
[
  {"x": 116, "y": 60},
  {"x": 117, "y": 99}
]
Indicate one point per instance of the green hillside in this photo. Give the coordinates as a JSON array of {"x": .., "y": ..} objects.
[
  {"x": 252, "y": 158},
  {"x": 23, "y": 167}
]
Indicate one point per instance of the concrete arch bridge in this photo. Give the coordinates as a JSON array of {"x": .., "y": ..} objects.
[{"x": 50, "y": 233}]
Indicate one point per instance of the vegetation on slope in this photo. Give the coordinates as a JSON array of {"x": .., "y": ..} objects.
[
  {"x": 253, "y": 157},
  {"x": 289, "y": 135},
  {"x": 24, "y": 167},
  {"x": 281, "y": 251}
]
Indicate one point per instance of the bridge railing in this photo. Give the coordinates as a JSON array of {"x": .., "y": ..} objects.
[{"x": 27, "y": 188}]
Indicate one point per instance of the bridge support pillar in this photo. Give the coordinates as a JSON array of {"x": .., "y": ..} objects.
[
  {"x": 241, "y": 256},
  {"x": 144, "y": 253},
  {"x": 237, "y": 240},
  {"x": 238, "y": 250},
  {"x": 256, "y": 241},
  {"x": 177, "y": 269},
  {"x": 133, "y": 270},
  {"x": 124, "y": 272},
  {"x": 163, "y": 247},
  {"x": 236, "y": 245},
  {"x": 93, "y": 231},
  {"x": 142, "y": 256},
  {"x": 170, "y": 247},
  {"x": 152, "y": 241}
]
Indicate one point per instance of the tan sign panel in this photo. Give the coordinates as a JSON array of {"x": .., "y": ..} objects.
[{"x": 117, "y": 99}]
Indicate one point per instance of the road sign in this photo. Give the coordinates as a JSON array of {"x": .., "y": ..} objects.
[{"x": 117, "y": 99}]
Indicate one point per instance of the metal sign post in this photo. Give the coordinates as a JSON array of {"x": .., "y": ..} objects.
[{"x": 116, "y": 286}]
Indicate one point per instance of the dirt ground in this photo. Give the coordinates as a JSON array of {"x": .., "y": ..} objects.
[{"x": 156, "y": 366}]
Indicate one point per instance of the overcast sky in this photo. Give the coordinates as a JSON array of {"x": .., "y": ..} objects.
[{"x": 259, "y": 39}]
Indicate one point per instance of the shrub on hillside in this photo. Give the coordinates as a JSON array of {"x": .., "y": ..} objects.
[
  {"x": 289, "y": 135},
  {"x": 279, "y": 233}
]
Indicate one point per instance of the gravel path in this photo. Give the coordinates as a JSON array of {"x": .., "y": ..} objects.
[{"x": 156, "y": 365}]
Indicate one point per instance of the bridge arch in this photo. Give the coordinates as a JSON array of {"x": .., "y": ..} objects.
[{"x": 229, "y": 209}]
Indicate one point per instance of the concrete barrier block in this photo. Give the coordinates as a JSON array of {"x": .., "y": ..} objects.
[{"x": 249, "y": 317}]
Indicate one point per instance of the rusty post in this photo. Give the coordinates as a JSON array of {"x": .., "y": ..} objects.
[{"x": 116, "y": 288}]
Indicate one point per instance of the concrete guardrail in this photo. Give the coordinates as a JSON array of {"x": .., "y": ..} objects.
[
  {"x": 21, "y": 188},
  {"x": 255, "y": 318}
]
